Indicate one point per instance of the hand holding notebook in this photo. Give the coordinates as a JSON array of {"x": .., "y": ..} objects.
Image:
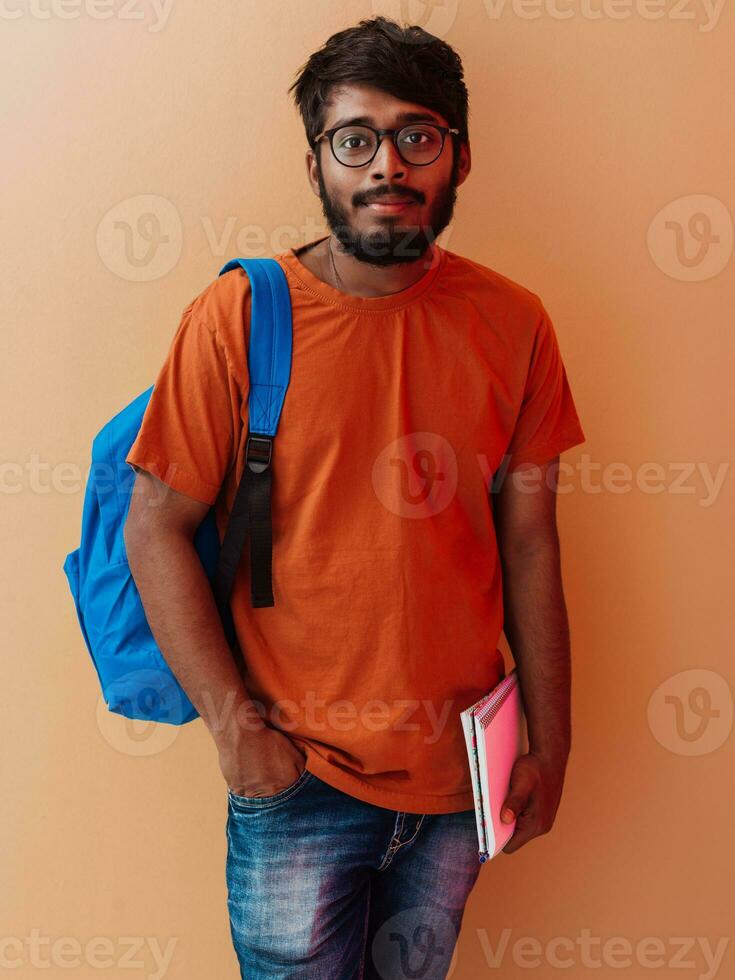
[{"x": 494, "y": 733}]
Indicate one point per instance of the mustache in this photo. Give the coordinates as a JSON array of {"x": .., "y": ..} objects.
[{"x": 374, "y": 197}]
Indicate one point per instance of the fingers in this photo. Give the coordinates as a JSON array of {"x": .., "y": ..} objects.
[
  {"x": 519, "y": 795},
  {"x": 519, "y": 805}
]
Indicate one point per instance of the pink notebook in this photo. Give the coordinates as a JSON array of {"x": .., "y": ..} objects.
[{"x": 494, "y": 733}]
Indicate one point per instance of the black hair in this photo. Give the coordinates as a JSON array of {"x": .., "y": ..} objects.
[{"x": 407, "y": 62}]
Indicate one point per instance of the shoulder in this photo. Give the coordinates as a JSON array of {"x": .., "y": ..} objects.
[
  {"x": 223, "y": 300},
  {"x": 514, "y": 315},
  {"x": 222, "y": 308},
  {"x": 501, "y": 290}
]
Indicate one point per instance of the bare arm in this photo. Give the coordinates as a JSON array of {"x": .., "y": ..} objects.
[
  {"x": 181, "y": 610},
  {"x": 537, "y": 630},
  {"x": 536, "y": 623}
]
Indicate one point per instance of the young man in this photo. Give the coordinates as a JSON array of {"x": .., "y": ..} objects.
[{"x": 419, "y": 379}]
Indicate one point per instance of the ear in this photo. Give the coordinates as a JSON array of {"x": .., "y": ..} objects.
[
  {"x": 465, "y": 162},
  {"x": 311, "y": 170}
]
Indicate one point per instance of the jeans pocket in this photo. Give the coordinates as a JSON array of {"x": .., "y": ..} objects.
[{"x": 244, "y": 803}]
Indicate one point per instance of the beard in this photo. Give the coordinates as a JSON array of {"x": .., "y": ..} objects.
[{"x": 390, "y": 244}]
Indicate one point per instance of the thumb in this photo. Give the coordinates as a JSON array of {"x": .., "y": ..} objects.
[
  {"x": 509, "y": 811},
  {"x": 515, "y": 801}
]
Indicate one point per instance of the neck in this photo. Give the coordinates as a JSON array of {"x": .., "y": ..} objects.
[{"x": 359, "y": 278}]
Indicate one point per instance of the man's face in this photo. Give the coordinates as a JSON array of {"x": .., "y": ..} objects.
[{"x": 379, "y": 237}]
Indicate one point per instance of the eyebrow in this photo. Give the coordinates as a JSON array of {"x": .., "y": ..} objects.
[{"x": 402, "y": 117}]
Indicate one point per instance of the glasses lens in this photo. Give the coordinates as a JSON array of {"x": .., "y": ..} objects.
[
  {"x": 420, "y": 143},
  {"x": 354, "y": 145}
]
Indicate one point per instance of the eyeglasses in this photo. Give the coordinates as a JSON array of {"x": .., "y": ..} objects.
[{"x": 418, "y": 144}]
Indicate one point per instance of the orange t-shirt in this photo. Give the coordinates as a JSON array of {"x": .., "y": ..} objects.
[{"x": 386, "y": 575}]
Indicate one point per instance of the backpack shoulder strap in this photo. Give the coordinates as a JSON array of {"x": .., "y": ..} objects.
[
  {"x": 269, "y": 351},
  {"x": 269, "y": 369}
]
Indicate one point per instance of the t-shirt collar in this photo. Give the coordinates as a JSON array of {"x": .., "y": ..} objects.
[{"x": 335, "y": 297}]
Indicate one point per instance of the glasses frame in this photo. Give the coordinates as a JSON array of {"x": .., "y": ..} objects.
[{"x": 380, "y": 133}]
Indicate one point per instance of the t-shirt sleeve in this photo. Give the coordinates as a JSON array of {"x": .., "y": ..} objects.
[
  {"x": 547, "y": 422},
  {"x": 189, "y": 434}
]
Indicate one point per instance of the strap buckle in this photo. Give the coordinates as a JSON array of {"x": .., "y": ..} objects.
[{"x": 258, "y": 451}]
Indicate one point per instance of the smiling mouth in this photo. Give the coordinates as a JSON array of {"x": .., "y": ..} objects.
[{"x": 392, "y": 206}]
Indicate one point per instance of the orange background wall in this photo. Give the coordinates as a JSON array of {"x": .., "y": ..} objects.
[{"x": 602, "y": 144}]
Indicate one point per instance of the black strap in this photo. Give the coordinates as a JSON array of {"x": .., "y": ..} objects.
[
  {"x": 258, "y": 494},
  {"x": 251, "y": 510}
]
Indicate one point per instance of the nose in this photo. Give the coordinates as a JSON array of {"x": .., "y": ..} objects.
[{"x": 387, "y": 162}]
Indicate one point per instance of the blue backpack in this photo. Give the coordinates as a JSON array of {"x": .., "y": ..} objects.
[{"x": 135, "y": 679}]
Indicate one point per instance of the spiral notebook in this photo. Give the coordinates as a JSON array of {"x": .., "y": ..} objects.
[{"x": 494, "y": 733}]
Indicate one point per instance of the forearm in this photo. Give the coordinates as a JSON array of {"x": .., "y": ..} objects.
[
  {"x": 180, "y": 608},
  {"x": 537, "y": 630}
]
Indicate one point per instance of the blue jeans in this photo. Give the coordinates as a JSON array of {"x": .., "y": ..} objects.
[{"x": 321, "y": 885}]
